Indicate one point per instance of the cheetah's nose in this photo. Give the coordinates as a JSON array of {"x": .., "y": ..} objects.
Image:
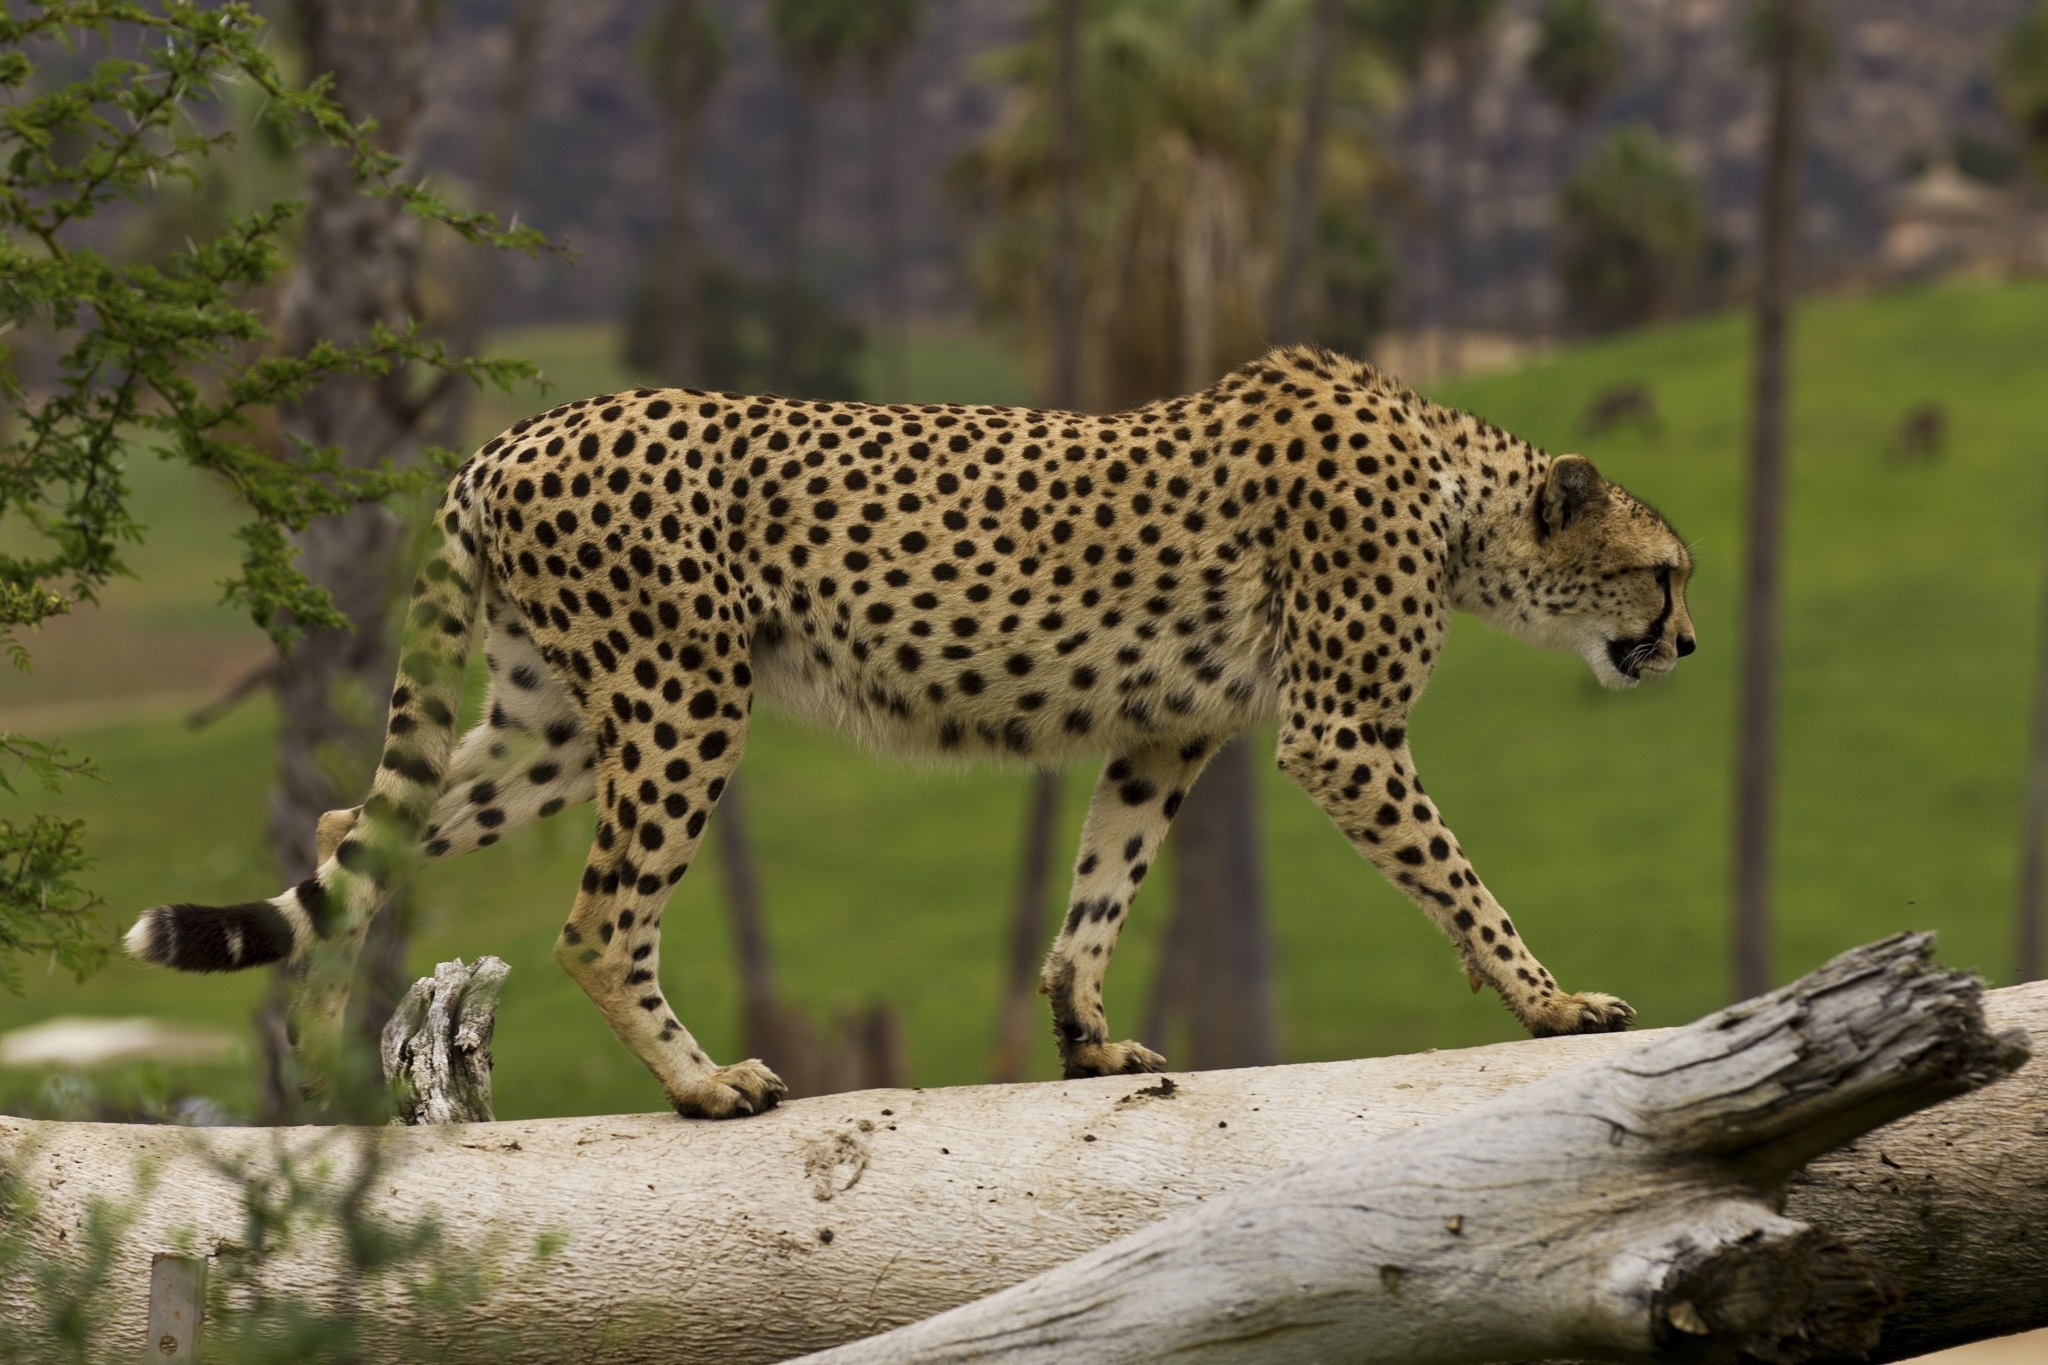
[{"x": 1686, "y": 645}]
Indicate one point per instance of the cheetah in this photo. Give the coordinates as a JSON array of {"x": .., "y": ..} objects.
[{"x": 980, "y": 583}]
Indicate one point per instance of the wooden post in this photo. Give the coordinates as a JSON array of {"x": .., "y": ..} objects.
[{"x": 177, "y": 1308}]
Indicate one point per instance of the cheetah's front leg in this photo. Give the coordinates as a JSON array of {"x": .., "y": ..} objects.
[
  {"x": 1134, "y": 802},
  {"x": 1363, "y": 776}
]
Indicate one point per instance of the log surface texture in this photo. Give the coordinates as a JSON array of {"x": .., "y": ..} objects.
[
  {"x": 1623, "y": 1209},
  {"x": 834, "y": 1219}
]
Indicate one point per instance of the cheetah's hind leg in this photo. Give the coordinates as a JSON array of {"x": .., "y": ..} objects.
[
  {"x": 1134, "y": 802},
  {"x": 657, "y": 785}
]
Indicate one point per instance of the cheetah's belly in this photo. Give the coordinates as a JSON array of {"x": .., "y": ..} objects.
[{"x": 1027, "y": 702}]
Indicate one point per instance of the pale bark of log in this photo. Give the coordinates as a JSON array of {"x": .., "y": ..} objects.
[
  {"x": 830, "y": 1220},
  {"x": 1624, "y": 1208}
]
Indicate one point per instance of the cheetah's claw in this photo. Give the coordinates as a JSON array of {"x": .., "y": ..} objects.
[
  {"x": 1586, "y": 1012},
  {"x": 731, "y": 1092},
  {"x": 1109, "y": 1059}
]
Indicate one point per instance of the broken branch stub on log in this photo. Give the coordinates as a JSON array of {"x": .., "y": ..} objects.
[
  {"x": 833, "y": 1219},
  {"x": 1625, "y": 1208},
  {"x": 436, "y": 1046}
]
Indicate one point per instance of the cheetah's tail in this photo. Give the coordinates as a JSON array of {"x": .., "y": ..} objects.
[{"x": 419, "y": 734}]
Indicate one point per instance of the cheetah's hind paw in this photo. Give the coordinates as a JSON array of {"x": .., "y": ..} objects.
[
  {"x": 731, "y": 1092},
  {"x": 1110, "y": 1059}
]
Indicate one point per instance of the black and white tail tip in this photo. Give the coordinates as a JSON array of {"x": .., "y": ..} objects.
[{"x": 212, "y": 938}]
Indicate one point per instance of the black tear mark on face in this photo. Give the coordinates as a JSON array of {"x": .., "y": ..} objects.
[{"x": 1629, "y": 653}]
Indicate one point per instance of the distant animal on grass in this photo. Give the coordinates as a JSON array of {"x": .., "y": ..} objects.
[
  {"x": 1007, "y": 584},
  {"x": 1921, "y": 437},
  {"x": 1620, "y": 404}
]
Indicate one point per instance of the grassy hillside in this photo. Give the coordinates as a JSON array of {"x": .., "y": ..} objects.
[{"x": 1601, "y": 820}]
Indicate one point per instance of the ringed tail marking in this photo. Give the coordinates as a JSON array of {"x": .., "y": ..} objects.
[{"x": 419, "y": 736}]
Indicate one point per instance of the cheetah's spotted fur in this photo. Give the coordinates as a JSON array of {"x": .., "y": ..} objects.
[{"x": 1284, "y": 547}]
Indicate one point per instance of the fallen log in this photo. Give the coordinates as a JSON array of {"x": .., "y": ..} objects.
[
  {"x": 1619, "y": 1210},
  {"x": 834, "y": 1219}
]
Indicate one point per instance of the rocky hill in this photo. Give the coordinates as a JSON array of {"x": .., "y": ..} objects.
[{"x": 1906, "y": 79}]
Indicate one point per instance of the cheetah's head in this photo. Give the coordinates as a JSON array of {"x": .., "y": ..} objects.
[{"x": 1612, "y": 577}]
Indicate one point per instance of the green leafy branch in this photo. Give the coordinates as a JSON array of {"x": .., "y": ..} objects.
[
  {"x": 107, "y": 105},
  {"x": 175, "y": 354}
]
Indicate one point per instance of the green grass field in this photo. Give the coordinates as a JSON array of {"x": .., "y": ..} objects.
[{"x": 1601, "y": 820}]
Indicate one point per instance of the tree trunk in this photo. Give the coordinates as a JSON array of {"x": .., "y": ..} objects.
[
  {"x": 894, "y": 370},
  {"x": 1675, "y": 105},
  {"x": 1756, "y": 705},
  {"x": 1468, "y": 67},
  {"x": 1021, "y": 1024},
  {"x": 1214, "y": 987},
  {"x": 1566, "y": 156},
  {"x": 1028, "y": 924},
  {"x": 796, "y": 193},
  {"x": 477, "y": 270},
  {"x": 1624, "y": 1208},
  {"x": 1215, "y": 975},
  {"x": 830, "y": 1220},
  {"x": 1325, "y": 37},
  {"x": 1425, "y": 285},
  {"x": 863, "y": 1048},
  {"x": 357, "y": 268},
  {"x": 1066, "y": 247},
  {"x": 2027, "y": 908},
  {"x": 679, "y": 276},
  {"x": 760, "y": 1008}
]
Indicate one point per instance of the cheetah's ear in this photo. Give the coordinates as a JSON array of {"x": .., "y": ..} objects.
[{"x": 1573, "y": 491}]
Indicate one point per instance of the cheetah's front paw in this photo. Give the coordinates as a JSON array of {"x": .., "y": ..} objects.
[
  {"x": 1586, "y": 1012},
  {"x": 731, "y": 1092},
  {"x": 1109, "y": 1059}
]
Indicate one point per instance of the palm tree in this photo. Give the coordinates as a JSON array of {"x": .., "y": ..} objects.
[
  {"x": 477, "y": 273},
  {"x": 814, "y": 39},
  {"x": 1066, "y": 235},
  {"x": 1176, "y": 177},
  {"x": 1326, "y": 35},
  {"x": 1026, "y": 939},
  {"x": 1632, "y": 231},
  {"x": 1416, "y": 35},
  {"x": 1790, "y": 38},
  {"x": 1184, "y": 100},
  {"x": 2022, "y": 83},
  {"x": 885, "y": 32},
  {"x": 1575, "y": 62},
  {"x": 1465, "y": 29}
]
